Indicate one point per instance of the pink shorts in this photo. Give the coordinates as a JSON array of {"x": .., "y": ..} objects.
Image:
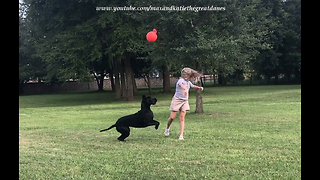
[{"x": 179, "y": 105}]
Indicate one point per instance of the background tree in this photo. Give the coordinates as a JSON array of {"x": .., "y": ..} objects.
[
  {"x": 70, "y": 39},
  {"x": 290, "y": 58},
  {"x": 30, "y": 66}
]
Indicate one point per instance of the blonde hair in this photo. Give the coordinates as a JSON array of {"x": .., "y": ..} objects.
[{"x": 189, "y": 73}]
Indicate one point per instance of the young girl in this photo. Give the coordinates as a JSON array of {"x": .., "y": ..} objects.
[{"x": 180, "y": 99}]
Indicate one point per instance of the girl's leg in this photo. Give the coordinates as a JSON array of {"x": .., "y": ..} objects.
[
  {"x": 171, "y": 118},
  {"x": 181, "y": 118}
]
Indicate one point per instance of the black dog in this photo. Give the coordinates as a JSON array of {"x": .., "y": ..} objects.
[{"x": 142, "y": 118}]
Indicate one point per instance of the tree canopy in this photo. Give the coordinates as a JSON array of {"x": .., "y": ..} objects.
[{"x": 71, "y": 39}]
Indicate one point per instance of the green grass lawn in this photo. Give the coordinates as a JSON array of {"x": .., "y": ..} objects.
[{"x": 249, "y": 132}]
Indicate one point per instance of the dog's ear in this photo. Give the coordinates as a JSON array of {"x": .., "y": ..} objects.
[{"x": 143, "y": 97}]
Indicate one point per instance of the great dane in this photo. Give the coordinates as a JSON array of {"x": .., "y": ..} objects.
[{"x": 142, "y": 118}]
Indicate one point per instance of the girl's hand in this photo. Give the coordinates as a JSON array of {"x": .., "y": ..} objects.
[{"x": 201, "y": 88}]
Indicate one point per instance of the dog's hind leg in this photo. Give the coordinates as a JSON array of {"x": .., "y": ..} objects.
[{"x": 125, "y": 132}]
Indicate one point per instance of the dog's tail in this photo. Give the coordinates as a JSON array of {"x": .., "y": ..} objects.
[{"x": 108, "y": 128}]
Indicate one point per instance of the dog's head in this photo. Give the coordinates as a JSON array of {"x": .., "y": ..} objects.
[{"x": 149, "y": 100}]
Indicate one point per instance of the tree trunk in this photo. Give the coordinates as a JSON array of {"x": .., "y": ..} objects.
[
  {"x": 297, "y": 75},
  {"x": 199, "y": 104},
  {"x": 111, "y": 80},
  {"x": 21, "y": 85},
  {"x": 288, "y": 76},
  {"x": 276, "y": 79},
  {"x": 222, "y": 80},
  {"x": 166, "y": 79},
  {"x": 147, "y": 80},
  {"x": 134, "y": 85},
  {"x": 97, "y": 79},
  {"x": 123, "y": 81},
  {"x": 101, "y": 79},
  {"x": 149, "y": 84},
  {"x": 129, "y": 74},
  {"x": 268, "y": 79},
  {"x": 117, "y": 67},
  {"x": 236, "y": 78}
]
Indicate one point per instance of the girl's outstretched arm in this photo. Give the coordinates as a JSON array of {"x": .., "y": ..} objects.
[{"x": 197, "y": 87}]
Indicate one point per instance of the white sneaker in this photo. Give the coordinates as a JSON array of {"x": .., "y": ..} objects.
[
  {"x": 166, "y": 132},
  {"x": 181, "y": 138}
]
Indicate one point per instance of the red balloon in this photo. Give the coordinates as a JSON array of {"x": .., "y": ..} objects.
[{"x": 152, "y": 35}]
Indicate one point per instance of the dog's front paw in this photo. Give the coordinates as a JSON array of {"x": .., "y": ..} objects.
[{"x": 157, "y": 126}]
